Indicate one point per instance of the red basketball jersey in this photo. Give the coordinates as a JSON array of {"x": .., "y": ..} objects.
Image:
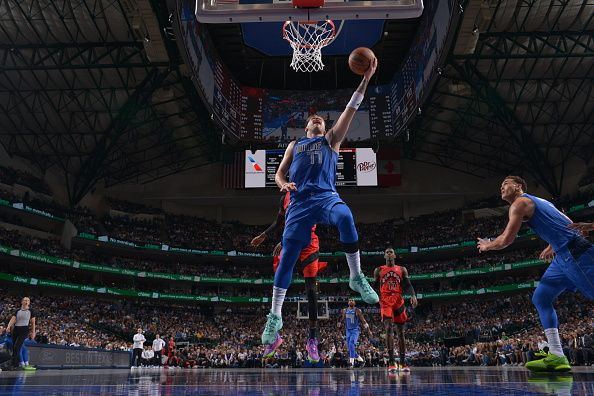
[
  {"x": 286, "y": 201},
  {"x": 390, "y": 280}
]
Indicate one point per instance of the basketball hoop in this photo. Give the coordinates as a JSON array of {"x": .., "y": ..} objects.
[{"x": 307, "y": 40}]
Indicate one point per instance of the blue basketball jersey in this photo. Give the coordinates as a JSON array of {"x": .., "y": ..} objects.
[
  {"x": 550, "y": 224},
  {"x": 313, "y": 169},
  {"x": 351, "y": 319}
]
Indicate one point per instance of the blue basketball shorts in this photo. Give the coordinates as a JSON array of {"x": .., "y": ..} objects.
[
  {"x": 352, "y": 338},
  {"x": 305, "y": 210},
  {"x": 573, "y": 268}
]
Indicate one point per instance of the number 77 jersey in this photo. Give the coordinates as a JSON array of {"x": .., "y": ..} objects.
[{"x": 313, "y": 169}]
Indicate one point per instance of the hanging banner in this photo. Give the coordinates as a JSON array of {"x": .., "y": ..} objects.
[
  {"x": 235, "y": 253},
  {"x": 248, "y": 281},
  {"x": 232, "y": 299}
]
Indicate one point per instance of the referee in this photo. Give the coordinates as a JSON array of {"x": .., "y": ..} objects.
[{"x": 21, "y": 323}]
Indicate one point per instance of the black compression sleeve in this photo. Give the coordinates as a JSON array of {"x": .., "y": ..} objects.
[
  {"x": 272, "y": 227},
  {"x": 408, "y": 287},
  {"x": 280, "y": 218}
]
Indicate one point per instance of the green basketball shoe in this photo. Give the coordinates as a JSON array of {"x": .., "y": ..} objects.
[
  {"x": 361, "y": 286},
  {"x": 273, "y": 325},
  {"x": 551, "y": 363}
]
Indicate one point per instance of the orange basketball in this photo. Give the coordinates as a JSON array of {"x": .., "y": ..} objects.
[{"x": 360, "y": 59}]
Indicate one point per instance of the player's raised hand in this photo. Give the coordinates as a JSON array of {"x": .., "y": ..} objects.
[
  {"x": 288, "y": 187},
  {"x": 257, "y": 241},
  {"x": 413, "y": 301},
  {"x": 582, "y": 227},
  {"x": 370, "y": 72}
]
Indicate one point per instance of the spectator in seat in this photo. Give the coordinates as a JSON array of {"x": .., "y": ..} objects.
[{"x": 148, "y": 357}]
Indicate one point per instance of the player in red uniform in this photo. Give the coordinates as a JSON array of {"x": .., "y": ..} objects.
[
  {"x": 310, "y": 266},
  {"x": 392, "y": 280},
  {"x": 172, "y": 360}
]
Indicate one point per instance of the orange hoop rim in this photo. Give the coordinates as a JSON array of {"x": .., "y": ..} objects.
[{"x": 322, "y": 44}]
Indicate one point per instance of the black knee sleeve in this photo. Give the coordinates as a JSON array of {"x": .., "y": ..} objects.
[{"x": 352, "y": 247}]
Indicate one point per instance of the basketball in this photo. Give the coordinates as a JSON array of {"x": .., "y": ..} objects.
[{"x": 360, "y": 59}]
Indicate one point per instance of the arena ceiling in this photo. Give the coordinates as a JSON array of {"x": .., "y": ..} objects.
[
  {"x": 95, "y": 89},
  {"x": 515, "y": 94}
]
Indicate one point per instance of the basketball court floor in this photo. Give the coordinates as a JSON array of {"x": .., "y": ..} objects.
[{"x": 459, "y": 381}]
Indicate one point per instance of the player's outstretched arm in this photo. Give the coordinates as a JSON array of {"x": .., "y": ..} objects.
[
  {"x": 363, "y": 321},
  {"x": 336, "y": 135},
  {"x": 582, "y": 227},
  {"x": 279, "y": 221},
  {"x": 519, "y": 210},
  {"x": 376, "y": 277},
  {"x": 258, "y": 239},
  {"x": 283, "y": 169},
  {"x": 408, "y": 288},
  {"x": 277, "y": 249}
]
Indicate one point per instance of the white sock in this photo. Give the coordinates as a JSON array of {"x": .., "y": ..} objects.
[
  {"x": 354, "y": 262},
  {"x": 359, "y": 359},
  {"x": 554, "y": 341},
  {"x": 278, "y": 298},
  {"x": 352, "y": 361},
  {"x": 26, "y": 363}
]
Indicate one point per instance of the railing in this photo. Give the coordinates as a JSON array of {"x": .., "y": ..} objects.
[
  {"x": 235, "y": 253},
  {"x": 231, "y": 299},
  {"x": 65, "y": 262}
]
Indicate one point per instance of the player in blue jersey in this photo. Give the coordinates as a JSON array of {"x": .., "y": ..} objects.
[
  {"x": 311, "y": 164},
  {"x": 7, "y": 344},
  {"x": 352, "y": 317},
  {"x": 572, "y": 266}
]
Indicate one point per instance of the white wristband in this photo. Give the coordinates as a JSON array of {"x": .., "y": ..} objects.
[
  {"x": 366, "y": 325},
  {"x": 356, "y": 100}
]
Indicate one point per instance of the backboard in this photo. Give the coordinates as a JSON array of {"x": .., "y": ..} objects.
[{"x": 238, "y": 11}]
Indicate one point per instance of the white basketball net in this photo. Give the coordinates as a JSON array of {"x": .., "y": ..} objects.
[{"x": 307, "y": 40}]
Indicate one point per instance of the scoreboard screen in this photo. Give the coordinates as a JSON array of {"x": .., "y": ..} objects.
[
  {"x": 380, "y": 112},
  {"x": 355, "y": 167},
  {"x": 346, "y": 173}
]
